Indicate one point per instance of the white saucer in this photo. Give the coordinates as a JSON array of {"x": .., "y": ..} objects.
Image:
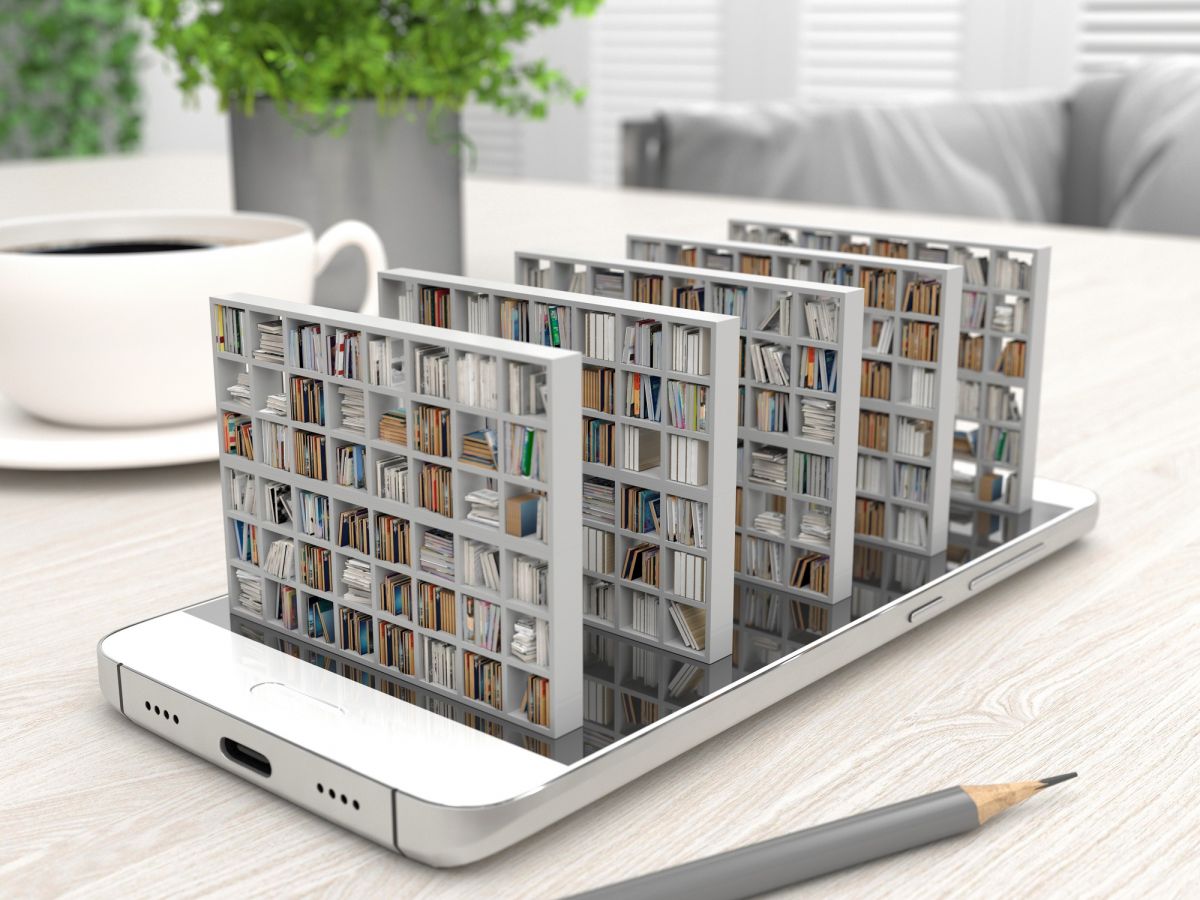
[{"x": 29, "y": 443}]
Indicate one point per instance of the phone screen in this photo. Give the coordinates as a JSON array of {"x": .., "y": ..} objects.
[{"x": 628, "y": 684}]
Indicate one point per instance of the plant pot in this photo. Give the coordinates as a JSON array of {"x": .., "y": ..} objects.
[{"x": 386, "y": 171}]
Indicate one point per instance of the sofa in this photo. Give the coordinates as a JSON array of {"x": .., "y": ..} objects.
[{"x": 1122, "y": 151}]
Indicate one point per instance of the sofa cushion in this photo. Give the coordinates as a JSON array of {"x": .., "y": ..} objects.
[
  {"x": 1150, "y": 156},
  {"x": 989, "y": 156}
]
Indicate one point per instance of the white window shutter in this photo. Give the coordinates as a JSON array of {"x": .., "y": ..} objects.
[
  {"x": 647, "y": 55},
  {"x": 879, "y": 50},
  {"x": 1116, "y": 34}
]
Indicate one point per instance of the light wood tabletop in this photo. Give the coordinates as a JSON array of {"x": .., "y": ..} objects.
[{"x": 1087, "y": 661}]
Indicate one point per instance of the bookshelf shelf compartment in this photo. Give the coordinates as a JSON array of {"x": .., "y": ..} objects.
[{"x": 375, "y": 518}]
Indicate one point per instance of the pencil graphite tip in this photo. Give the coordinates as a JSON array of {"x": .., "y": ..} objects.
[{"x": 1055, "y": 779}]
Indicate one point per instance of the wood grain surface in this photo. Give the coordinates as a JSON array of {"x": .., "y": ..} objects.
[{"x": 1088, "y": 661}]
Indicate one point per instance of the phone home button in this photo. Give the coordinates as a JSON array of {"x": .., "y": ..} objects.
[{"x": 283, "y": 695}]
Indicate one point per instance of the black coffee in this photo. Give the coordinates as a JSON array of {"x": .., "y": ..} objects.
[{"x": 146, "y": 246}]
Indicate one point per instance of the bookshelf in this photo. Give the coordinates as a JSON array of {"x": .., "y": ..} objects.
[
  {"x": 908, "y": 372},
  {"x": 794, "y": 519},
  {"x": 1001, "y": 345},
  {"x": 658, "y": 405},
  {"x": 351, "y": 520}
]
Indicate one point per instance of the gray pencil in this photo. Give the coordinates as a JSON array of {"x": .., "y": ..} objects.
[{"x": 748, "y": 871}]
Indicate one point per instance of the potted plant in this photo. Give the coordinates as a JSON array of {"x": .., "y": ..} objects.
[
  {"x": 349, "y": 108},
  {"x": 68, "y": 79}
]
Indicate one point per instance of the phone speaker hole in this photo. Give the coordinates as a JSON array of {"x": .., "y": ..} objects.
[
  {"x": 334, "y": 795},
  {"x": 165, "y": 713}
]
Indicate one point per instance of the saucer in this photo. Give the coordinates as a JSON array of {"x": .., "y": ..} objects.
[{"x": 30, "y": 443}]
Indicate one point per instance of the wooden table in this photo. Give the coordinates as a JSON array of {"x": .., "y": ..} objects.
[{"x": 1088, "y": 661}]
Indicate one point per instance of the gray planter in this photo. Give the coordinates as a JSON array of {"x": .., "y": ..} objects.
[{"x": 385, "y": 171}]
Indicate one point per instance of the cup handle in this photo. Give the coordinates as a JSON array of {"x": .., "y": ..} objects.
[{"x": 360, "y": 234}]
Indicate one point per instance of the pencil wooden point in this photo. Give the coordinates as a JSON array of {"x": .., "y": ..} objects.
[{"x": 993, "y": 799}]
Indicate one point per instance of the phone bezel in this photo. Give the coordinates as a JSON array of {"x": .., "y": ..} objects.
[{"x": 442, "y": 827}]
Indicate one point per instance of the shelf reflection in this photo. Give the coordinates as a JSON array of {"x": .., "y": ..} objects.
[{"x": 628, "y": 685}]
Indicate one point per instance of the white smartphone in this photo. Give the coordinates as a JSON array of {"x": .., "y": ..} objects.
[{"x": 411, "y": 768}]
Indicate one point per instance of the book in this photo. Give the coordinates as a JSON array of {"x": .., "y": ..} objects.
[
  {"x": 395, "y": 595},
  {"x": 599, "y": 601},
  {"x": 314, "y": 568},
  {"x": 524, "y": 450},
  {"x": 643, "y": 343},
  {"x": 391, "y": 478},
  {"x": 769, "y": 363},
  {"x": 598, "y": 441},
  {"x": 768, "y": 466},
  {"x": 392, "y": 539},
  {"x": 482, "y": 625},
  {"x": 393, "y": 427},
  {"x": 531, "y": 640},
  {"x": 598, "y": 547},
  {"x": 484, "y": 507},
  {"x": 433, "y": 368},
  {"x": 919, "y": 340},
  {"x": 230, "y": 329},
  {"x": 598, "y": 384},
  {"x": 270, "y": 342},
  {"x": 688, "y": 460},
  {"x": 434, "y": 491},
  {"x": 356, "y": 579},
  {"x": 641, "y": 564},
  {"x": 524, "y": 515},
  {"x": 482, "y": 679},
  {"x": 479, "y": 448},
  {"x": 529, "y": 579},
  {"x": 685, "y": 521},
  {"x": 357, "y": 634},
  {"x": 354, "y": 529},
  {"x": 431, "y": 433},
  {"x": 436, "y": 608},
  {"x": 763, "y": 558},
  {"x": 923, "y": 296},
  {"x": 879, "y": 287},
  {"x": 821, "y": 319},
  {"x": 280, "y": 559},
  {"x": 641, "y": 448},
  {"x": 875, "y": 380},
  {"x": 642, "y": 396},
  {"x": 873, "y": 430},
  {"x": 690, "y": 349},
  {"x": 811, "y": 572},
  {"x": 526, "y": 389},
  {"x": 345, "y": 354},
  {"x": 690, "y": 575},
  {"x": 396, "y": 648},
  {"x": 240, "y": 490},
  {"x": 478, "y": 384},
  {"x": 818, "y": 419},
  {"x": 812, "y": 474},
  {"x": 351, "y": 462},
  {"x": 239, "y": 439},
  {"x": 914, "y": 437},
  {"x": 644, "y": 614},
  {"x": 320, "y": 620},
  {"x": 640, "y": 509},
  {"x": 690, "y": 624},
  {"x": 771, "y": 411},
  {"x": 353, "y": 409},
  {"x": 869, "y": 517},
  {"x": 309, "y": 453},
  {"x": 314, "y": 514},
  {"x": 687, "y": 406}
]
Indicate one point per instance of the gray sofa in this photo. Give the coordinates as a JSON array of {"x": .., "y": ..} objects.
[{"x": 1118, "y": 152}]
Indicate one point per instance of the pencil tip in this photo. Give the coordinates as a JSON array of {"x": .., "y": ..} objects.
[{"x": 1055, "y": 779}]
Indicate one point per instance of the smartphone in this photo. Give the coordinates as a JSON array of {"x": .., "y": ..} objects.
[{"x": 397, "y": 761}]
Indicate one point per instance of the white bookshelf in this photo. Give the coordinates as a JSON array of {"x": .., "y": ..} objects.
[
  {"x": 902, "y": 498},
  {"x": 790, "y": 499},
  {"x": 636, "y": 607},
  {"x": 438, "y": 642},
  {"x": 1005, "y": 291}
]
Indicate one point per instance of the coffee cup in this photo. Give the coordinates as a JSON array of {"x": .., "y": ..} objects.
[{"x": 105, "y": 316}]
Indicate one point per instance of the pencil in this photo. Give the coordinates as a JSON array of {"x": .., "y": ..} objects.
[{"x": 758, "y": 868}]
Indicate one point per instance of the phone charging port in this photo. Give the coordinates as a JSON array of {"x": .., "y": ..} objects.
[{"x": 243, "y": 755}]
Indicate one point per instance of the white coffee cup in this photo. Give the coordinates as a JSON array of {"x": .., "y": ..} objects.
[{"x": 121, "y": 339}]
